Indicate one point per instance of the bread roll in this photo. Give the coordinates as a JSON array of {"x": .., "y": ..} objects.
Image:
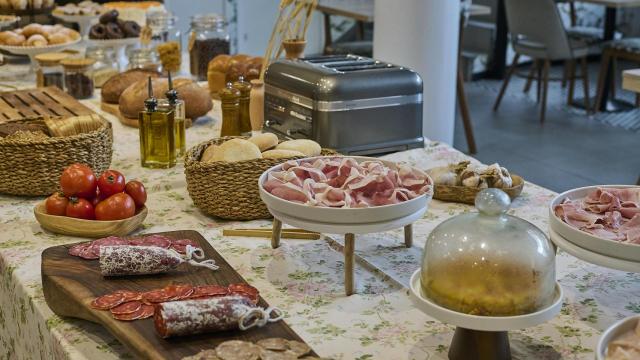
[
  {"x": 58, "y": 38},
  {"x": 115, "y": 86},
  {"x": 281, "y": 154},
  {"x": 11, "y": 38},
  {"x": 264, "y": 141},
  {"x": 19, "y": 4},
  {"x": 36, "y": 40},
  {"x": 207, "y": 156},
  {"x": 234, "y": 150},
  {"x": 33, "y": 29},
  {"x": 307, "y": 147}
]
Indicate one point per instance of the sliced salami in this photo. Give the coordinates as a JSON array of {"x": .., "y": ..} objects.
[
  {"x": 155, "y": 296},
  {"x": 126, "y": 308},
  {"x": 179, "y": 291},
  {"x": 107, "y": 302},
  {"x": 129, "y": 295},
  {"x": 208, "y": 291},
  {"x": 238, "y": 350},
  {"x": 138, "y": 314}
]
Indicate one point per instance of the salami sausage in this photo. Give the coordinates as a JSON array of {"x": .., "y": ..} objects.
[
  {"x": 187, "y": 317},
  {"x": 143, "y": 260},
  {"x": 91, "y": 250}
]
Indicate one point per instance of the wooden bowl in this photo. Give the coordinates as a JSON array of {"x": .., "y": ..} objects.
[
  {"x": 467, "y": 195},
  {"x": 88, "y": 228}
]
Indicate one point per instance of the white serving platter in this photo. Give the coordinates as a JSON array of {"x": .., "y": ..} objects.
[
  {"x": 375, "y": 217},
  {"x": 593, "y": 257},
  {"x": 585, "y": 240},
  {"x": 115, "y": 43},
  {"x": 613, "y": 332},
  {"x": 32, "y": 51},
  {"x": 483, "y": 323}
]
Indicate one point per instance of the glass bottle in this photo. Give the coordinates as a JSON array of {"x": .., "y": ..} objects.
[
  {"x": 166, "y": 38},
  {"x": 179, "y": 118},
  {"x": 208, "y": 38},
  {"x": 245, "y": 90},
  {"x": 78, "y": 77},
  {"x": 106, "y": 64},
  {"x": 143, "y": 58},
  {"x": 230, "y": 103},
  {"x": 50, "y": 72},
  {"x": 157, "y": 133}
]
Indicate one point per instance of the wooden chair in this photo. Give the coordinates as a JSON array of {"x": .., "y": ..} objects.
[
  {"x": 624, "y": 49},
  {"x": 537, "y": 31}
]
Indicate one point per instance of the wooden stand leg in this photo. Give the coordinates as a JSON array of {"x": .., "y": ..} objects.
[
  {"x": 408, "y": 235},
  {"x": 349, "y": 248},
  {"x": 276, "y": 233},
  {"x": 479, "y": 345}
]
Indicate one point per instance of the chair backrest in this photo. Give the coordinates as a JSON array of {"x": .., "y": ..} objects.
[{"x": 538, "y": 21}]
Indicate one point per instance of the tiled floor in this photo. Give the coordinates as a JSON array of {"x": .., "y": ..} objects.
[{"x": 569, "y": 150}]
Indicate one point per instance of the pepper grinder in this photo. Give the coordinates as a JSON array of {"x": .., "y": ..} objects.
[
  {"x": 157, "y": 133},
  {"x": 245, "y": 89},
  {"x": 230, "y": 99},
  {"x": 179, "y": 118}
]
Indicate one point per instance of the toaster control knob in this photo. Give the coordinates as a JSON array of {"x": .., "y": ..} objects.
[{"x": 267, "y": 122}]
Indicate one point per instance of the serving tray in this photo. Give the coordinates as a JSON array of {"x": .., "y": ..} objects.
[
  {"x": 71, "y": 283},
  {"x": 49, "y": 101}
]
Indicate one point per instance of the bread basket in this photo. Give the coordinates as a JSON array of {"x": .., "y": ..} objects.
[
  {"x": 228, "y": 190},
  {"x": 467, "y": 195},
  {"x": 33, "y": 167}
]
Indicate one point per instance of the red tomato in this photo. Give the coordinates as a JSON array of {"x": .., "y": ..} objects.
[
  {"x": 80, "y": 208},
  {"x": 56, "y": 204},
  {"x": 111, "y": 182},
  {"x": 138, "y": 193},
  {"x": 78, "y": 180},
  {"x": 116, "y": 207}
]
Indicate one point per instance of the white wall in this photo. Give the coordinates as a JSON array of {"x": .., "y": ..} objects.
[{"x": 184, "y": 10}]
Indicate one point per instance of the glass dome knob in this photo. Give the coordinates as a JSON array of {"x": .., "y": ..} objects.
[{"x": 492, "y": 202}]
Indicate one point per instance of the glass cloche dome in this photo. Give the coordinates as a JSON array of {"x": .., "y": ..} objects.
[{"x": 489, "y": 263}]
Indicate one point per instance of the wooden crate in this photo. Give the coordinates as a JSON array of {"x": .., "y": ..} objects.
[{"x": 41, "y": 102}]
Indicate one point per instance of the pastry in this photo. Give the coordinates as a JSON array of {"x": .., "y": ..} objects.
[
  {"x": 113, "y": 31},
  {"x": 109, "y": 17},
  {"x": 19, "y": 4},
  {"x": 307, "y": 147},
  {"x": 36, "y": 4},
  {"x": 58, "y": 38},
  {"x": 225, "y": 68},
  {"x": 264, "y": 141},
  {"x": 33, "y": 29},
  {"x": 5, "y": 4},
  {"x": 281, "y": 154},
  {"x": 98, "y": 32},
  {"x": 131, "y": 29},
  {"x": 11, "y": 38},
  {"x": 115, "y": 86},
  {"x": 235, "y": 150},
  {"x": 70, "y": 33},
  {"x": 36, "y": 40}
]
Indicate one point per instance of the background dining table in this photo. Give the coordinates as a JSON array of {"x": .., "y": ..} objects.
[{"x": 302, "y": 277}]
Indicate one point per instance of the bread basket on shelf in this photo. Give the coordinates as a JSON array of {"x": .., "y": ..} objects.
[
  {"x": 228, "y": 190},
  {"x": 32, "y": 167}
]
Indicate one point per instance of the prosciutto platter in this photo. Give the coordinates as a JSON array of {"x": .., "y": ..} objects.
[
  {"x": 343, "y": 182},
  {"x": 605, "y": 212}
]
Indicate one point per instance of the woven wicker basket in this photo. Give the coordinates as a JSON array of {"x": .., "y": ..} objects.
[
  {"x": 228, "y": 190},
  {"x": 467, "y": 195},
  {"x": 33, "y": 167}
]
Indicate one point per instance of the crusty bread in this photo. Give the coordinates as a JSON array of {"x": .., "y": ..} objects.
[
  {"x": 265, "y": 141},
  {"x": 280, "y": 154},
  {"x": 225, "y": 68},
  {"x": 307, "y": 147},
  {"x": 231, "y": 151},
  {"x": 115, "y": 86}
]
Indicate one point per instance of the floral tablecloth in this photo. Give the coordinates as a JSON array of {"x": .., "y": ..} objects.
[{"x": 302, "y": 277}]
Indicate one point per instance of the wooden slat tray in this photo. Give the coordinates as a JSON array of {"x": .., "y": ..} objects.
[
  {"x": 71, "y": 283},
  {"x": 48, "y": 101}
]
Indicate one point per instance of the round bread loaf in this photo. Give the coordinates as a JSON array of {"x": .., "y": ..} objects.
[
  {"x": 232, "y": 151},
  {"x": 115, "y": 86},
  {"x": 280, "y": 154},
  {"x": 207, "y": 156},
  {"x": 307, "y": 147},
  {"x": 264, "y": 141}
]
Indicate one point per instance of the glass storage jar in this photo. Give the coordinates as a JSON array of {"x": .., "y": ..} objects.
[
  {"x": 143, "y": 58},
  {"x": 50, "y": 72},
  {"x": 78, "y": 77},
  {"x": 166, "y": 38},
  {"x": 488, "y": 263},
  {"x": 208, "y": 38},
  {"x": 106, "y": 64}
]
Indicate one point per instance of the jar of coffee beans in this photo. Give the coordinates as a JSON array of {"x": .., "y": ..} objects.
[
  {"x": 208, "y": 38},
  {"x": 78, "y": 77},
  {"x": 49, "y": 71}
]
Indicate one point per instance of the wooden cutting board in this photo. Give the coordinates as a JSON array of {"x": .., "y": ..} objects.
[
  {"x": 71, "y": 283},
  {"x": 40, "y": 102}
]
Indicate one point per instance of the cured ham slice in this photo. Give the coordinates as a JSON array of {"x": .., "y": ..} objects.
[
  {"x": 608, "y": 213},
  {"x": 345, "y": 183}
]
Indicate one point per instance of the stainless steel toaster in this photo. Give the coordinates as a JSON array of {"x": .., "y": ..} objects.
[{"x": 352, "y": 104}]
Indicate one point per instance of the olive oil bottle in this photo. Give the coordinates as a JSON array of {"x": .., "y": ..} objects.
[
  {"x": 179, "y": 118},
  {"x": 157, "y": 133}
]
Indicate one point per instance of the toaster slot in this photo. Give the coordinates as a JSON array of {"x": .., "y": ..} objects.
[
  {"x": 364, "y": 67},
  {"x": 338, "y": 65}
]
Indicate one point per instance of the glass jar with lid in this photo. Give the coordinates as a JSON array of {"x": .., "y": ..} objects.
[
  {"x": 106, "y": 64},
  {"x": 166, "y": 38},
  {"x": 208, "y": 38},
  {"x": 143, "y": 58},
  {"x": 78, "y": 77},
  {"x": 50, "y": 72},
  {"x": 488, "y": 263}
]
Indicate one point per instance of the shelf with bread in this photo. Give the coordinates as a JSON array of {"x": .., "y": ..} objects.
[{"x": 35, "y": 39}]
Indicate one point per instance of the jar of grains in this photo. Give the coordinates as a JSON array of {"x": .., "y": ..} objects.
[
  {"x": 78, "y": 77},
  {"x": 166, "y": 38},
  {"x": 208, "y": 38},
  {"x": 49, "y": 71}
]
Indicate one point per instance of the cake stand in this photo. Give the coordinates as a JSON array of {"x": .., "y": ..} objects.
[
  {"x": 32, "y": 51},
  {"x": 119, "y": 45},
  {"x": 83, "y": 21},
  {"x": 481, "y": 337},
  {"x": 344, "y": 221}
]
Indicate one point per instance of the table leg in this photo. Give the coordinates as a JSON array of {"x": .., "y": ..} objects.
[
  {"x": 349, "y": 249},
  {"x": 462, "y": 97},
  {"x": 276, "y": 232},
  {"x": 408, "y": 235}
]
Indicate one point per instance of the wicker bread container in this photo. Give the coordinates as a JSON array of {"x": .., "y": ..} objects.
[
  {"x": 467, "y": 195},
  {"x": 33, "y": 167},
  {"x": 229, "y": 190}
]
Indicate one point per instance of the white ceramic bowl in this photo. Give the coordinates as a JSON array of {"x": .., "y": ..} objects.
[
  {"x": 613, "y": 332},
  {"x": 483, "y": 323},
  {"x": 585, "y": 240},
  {"x": 374, "y": 214}
]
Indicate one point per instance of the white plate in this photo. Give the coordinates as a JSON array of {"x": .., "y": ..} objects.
[
  {"x": 593, "y": 257},
  {"x": 113, "y": 42},
  {"x": 315, "y": 214},
  {"x": 35, "y": 50},
  {"x": 613, "y": 332},
  {"x": 483, "y": 323},
  {"x": 585, "y": 240}
]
